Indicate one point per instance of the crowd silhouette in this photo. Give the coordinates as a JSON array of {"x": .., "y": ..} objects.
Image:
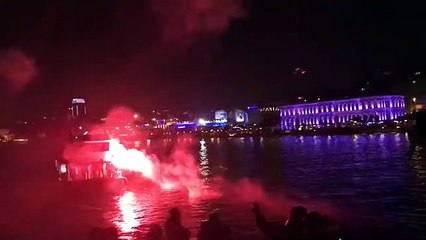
[{"x": 299, "y": 225}]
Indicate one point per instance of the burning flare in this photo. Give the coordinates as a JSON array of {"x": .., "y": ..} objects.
[{"x": 129, "y": 159}]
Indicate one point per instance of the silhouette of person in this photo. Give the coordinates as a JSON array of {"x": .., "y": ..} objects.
[
  {"x": 173, "y": 227},
  {"x": 214, "y": 229},
  {"x": 270, "y": 230},
  {"x": 294, "y": 226},
  {"x": 155, "y": 232},
  {"x": 316, "y": 226}
]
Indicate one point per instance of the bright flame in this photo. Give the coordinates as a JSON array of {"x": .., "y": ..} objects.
[
  {"x": 181, "y": 173},
  {"x": 130, "y": 159}
]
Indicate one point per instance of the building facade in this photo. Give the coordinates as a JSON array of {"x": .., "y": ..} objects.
[
  {"x": 341, "y": 112},
  {"x": 78, "y": 108}
]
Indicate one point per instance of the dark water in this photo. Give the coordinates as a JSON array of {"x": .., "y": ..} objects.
[{"x": 375, "y": 183}]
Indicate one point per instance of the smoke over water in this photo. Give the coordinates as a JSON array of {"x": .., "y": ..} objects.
[
  {"x": 181, "y": 172},
  {"x": 17, "y": 69},
  {"x": 178, "y": 172}
]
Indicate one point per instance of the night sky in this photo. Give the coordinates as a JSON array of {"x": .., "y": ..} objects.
[{"x": 199, "y": 54}]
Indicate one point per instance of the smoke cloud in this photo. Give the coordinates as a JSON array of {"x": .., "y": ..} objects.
[
  {"x": 17, "y": 69},
  {"x": 186, "y": 19},
  {"x": 178, "y": 172}
]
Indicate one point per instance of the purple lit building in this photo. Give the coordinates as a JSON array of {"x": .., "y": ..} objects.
[{"x": 340, "y": 112}]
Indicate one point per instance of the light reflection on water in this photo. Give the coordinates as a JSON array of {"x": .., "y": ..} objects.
[
  {"x": 130, "y": 213},
  {"x": 383, "y": 176},
  {"x": 378, "y": 178}
]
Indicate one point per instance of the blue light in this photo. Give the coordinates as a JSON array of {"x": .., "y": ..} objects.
[{"x": 185, "y": 125}]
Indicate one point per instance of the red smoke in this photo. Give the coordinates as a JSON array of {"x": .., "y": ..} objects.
[
  {"x": 190, "y": 18},
  {"x": 17, "y": 69},
  {"x": 179, "y": 172}
]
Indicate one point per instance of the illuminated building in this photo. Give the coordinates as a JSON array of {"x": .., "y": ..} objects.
[
  {"x": 221, "y": 115},
  {"x": 238, "y": 116},
  {"x": 78, "y": 108},
  {"x": 341, "y": 112},
  {"x": 185, "y": 125},
  {"x": 212, "y": 123}
]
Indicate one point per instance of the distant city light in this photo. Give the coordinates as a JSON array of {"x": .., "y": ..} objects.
[
  {"x": 414, "y": 81},
  {"x": 414, "y": 99},
  {"x": 63, "y": 168},
  {"x": 202, "y": 122},
  {"x": 362, "y": 89},
  {"x": 319, "y": 99},
  {"x": 417, "y": 73},
  {"x": 78, "y": 100},
  {"x": 135, "y": 116}
]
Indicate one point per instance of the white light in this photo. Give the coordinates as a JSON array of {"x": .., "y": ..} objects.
[
  {"x": 63, "y": 168},
  {"x": 202, "y": 122},
  {"x": 78, "y": 100},
  {"x": 414, "y": 99}
]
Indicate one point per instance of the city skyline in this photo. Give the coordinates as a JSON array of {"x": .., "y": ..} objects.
[{"x": 231, "y": 53}]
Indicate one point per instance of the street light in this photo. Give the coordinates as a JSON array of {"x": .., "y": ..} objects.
[{"x": 414, "y": 99}]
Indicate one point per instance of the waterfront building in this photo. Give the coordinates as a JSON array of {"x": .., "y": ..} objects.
[
  {"x": 341, "y": 112},
  {"x": 220, "y": 115},
  {"x": 238, "y": 117},
  {"x": 78, "y": 107}
]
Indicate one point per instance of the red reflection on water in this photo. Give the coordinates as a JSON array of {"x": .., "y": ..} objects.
[{"x": 130, "y": 213}]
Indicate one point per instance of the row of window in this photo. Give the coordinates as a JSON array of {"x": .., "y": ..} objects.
[
  {"x": 292, "y": 122},
  {"x": 342, "y": 107}
]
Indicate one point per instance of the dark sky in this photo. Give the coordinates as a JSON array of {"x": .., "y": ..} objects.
[{"x": 198, "y": 54}]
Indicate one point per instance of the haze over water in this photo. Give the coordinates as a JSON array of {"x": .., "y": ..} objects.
[{"x": 377, "y": 181}]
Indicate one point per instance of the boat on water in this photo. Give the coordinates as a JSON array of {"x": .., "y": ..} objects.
[{"x": 88, "y": 156}]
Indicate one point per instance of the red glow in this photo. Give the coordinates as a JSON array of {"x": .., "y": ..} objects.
[
  {"x": 130, "y": 159},
  {"x": 17, "y": 69},
  {"x": 179, "y": 172},
  {"x": 129, "y": 210}
]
